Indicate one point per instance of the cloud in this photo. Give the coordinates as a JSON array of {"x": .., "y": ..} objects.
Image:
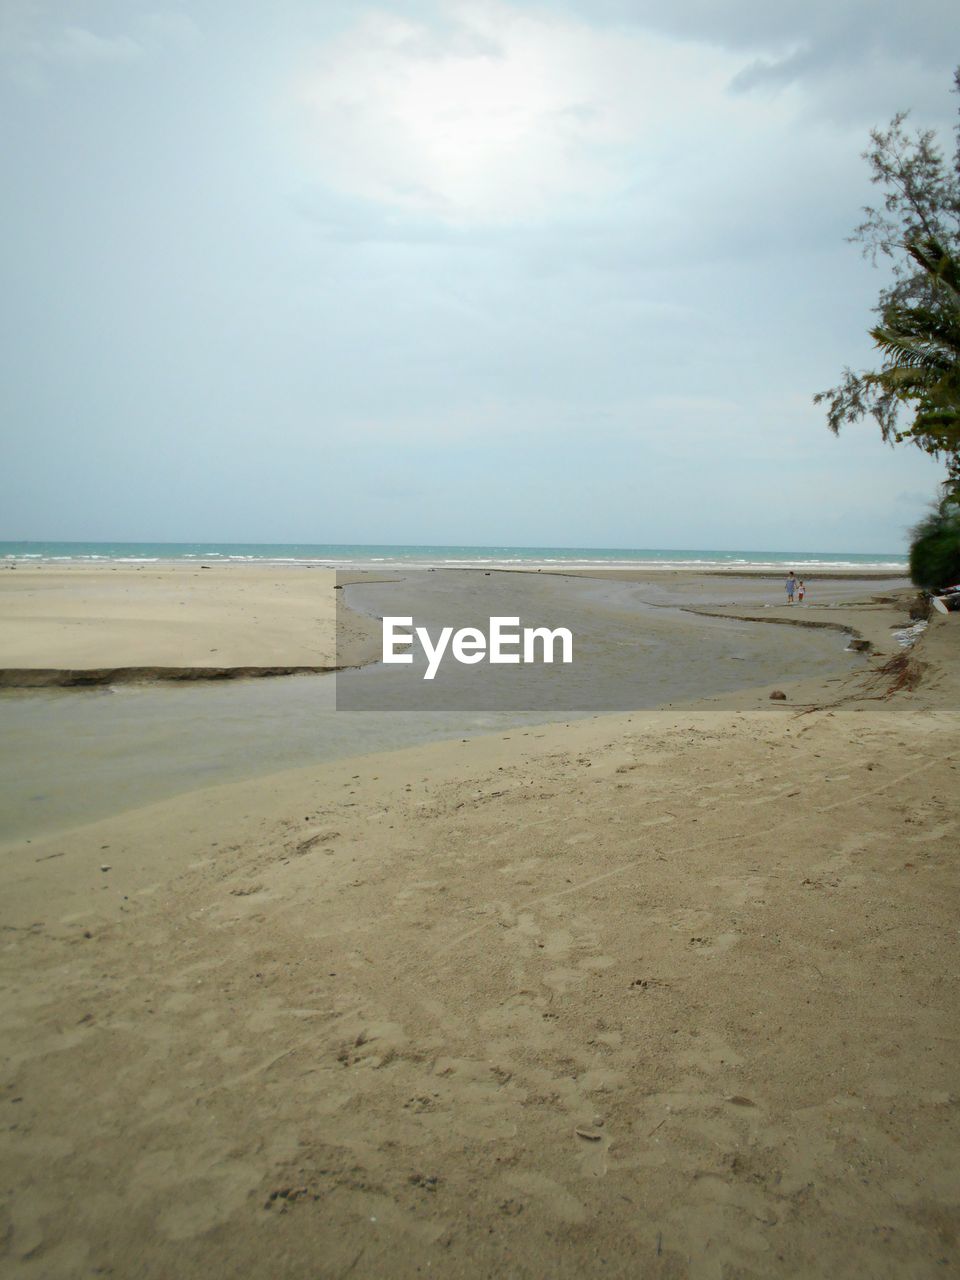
[
  {"x": 916, "y": 31},
  {"x": 79, "y": 46},
  {"x": 37, "y": 42},
  {"x": 495, "y": 244},
  {"x": 854, "y": 59},
  {"x": 562, "y": 145},
  {"x": 505, "y": 116},
  {"x": 31, "y": 39}
]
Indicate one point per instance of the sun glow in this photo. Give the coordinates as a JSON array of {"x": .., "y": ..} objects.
[
  {"x": 452, "y": 129},
  {"x": 499, "y": 117}
]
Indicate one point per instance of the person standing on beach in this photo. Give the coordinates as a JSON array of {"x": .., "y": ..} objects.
[
  {"x": 791, "y": 587},
  {"x": 801, "y": 591}
]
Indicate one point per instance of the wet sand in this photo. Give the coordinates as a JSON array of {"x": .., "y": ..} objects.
[
  {"x": 70, "y": 756},
  {"x": 76, "y": 624}
]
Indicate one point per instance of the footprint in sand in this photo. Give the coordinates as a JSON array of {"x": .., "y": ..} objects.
[
  {"x": 191, "y": 1200},
  {"x": 710, "y": 1053},
  {"x": 717, "y": 946},
  {"x": 549, "y": 1197}
]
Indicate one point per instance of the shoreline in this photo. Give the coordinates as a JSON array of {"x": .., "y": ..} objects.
[
  {"x": 936, "y": 654},
  {"x": 82, "y": 677},
  {"x": 177, "y": 738},
  {"x": 105, "y": 625},
  {"x": 178, "y": 735},
  {"x": 773, "y": 572}
]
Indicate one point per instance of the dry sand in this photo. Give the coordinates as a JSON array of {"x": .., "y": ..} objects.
[
  {"x": 668, "y": 994},
  {"x": 164, "y": 620}
]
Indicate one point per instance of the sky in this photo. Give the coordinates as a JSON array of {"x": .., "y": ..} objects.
[{"x": 563, "y": 273}]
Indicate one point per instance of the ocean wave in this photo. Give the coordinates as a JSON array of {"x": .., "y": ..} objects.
[{"x": 408, "y": 557}]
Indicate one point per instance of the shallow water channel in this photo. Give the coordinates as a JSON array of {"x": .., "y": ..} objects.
[{"x": 74, "y": 755}]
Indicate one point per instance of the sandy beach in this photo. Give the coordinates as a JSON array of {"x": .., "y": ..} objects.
[
  {"x": 76, "y": 624},
  {"x": 479, "y": 689},
  {"x": 87, "y": 625},
  {"x": 668, "y": 993}
]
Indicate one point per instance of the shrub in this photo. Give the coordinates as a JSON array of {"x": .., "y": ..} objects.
[{"x": 935, "y": 548}]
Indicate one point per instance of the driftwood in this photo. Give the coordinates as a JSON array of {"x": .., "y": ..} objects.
[{"x": 899, "y": 673}]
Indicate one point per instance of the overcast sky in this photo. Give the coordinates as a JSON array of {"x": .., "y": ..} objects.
[{"x": 548, "y": 274}]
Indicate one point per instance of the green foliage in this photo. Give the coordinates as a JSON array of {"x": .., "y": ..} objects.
[
  {"x": 917, "y": 227},
  {"x": 920, "y": 344},
  {"x": 935, "y": 547}
]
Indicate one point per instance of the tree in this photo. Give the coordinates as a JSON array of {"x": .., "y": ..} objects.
[
  {"x": 921, "y": 357},
  {"x": 917, "y": 227},
  {"x": 935, "y": 547}
]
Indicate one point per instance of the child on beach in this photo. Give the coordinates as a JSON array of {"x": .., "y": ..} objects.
[
  {"x": 801, "y": 591},
  {"x": 791, "y": 587}
]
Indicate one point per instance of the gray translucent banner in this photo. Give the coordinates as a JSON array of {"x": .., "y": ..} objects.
[{"x": 626, "y": 652}]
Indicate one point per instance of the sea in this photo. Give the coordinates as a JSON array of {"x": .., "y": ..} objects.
[{"x": 363, "y": 556}]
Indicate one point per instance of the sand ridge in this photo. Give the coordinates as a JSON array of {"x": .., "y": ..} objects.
[{"x": 85, "y": 625}]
